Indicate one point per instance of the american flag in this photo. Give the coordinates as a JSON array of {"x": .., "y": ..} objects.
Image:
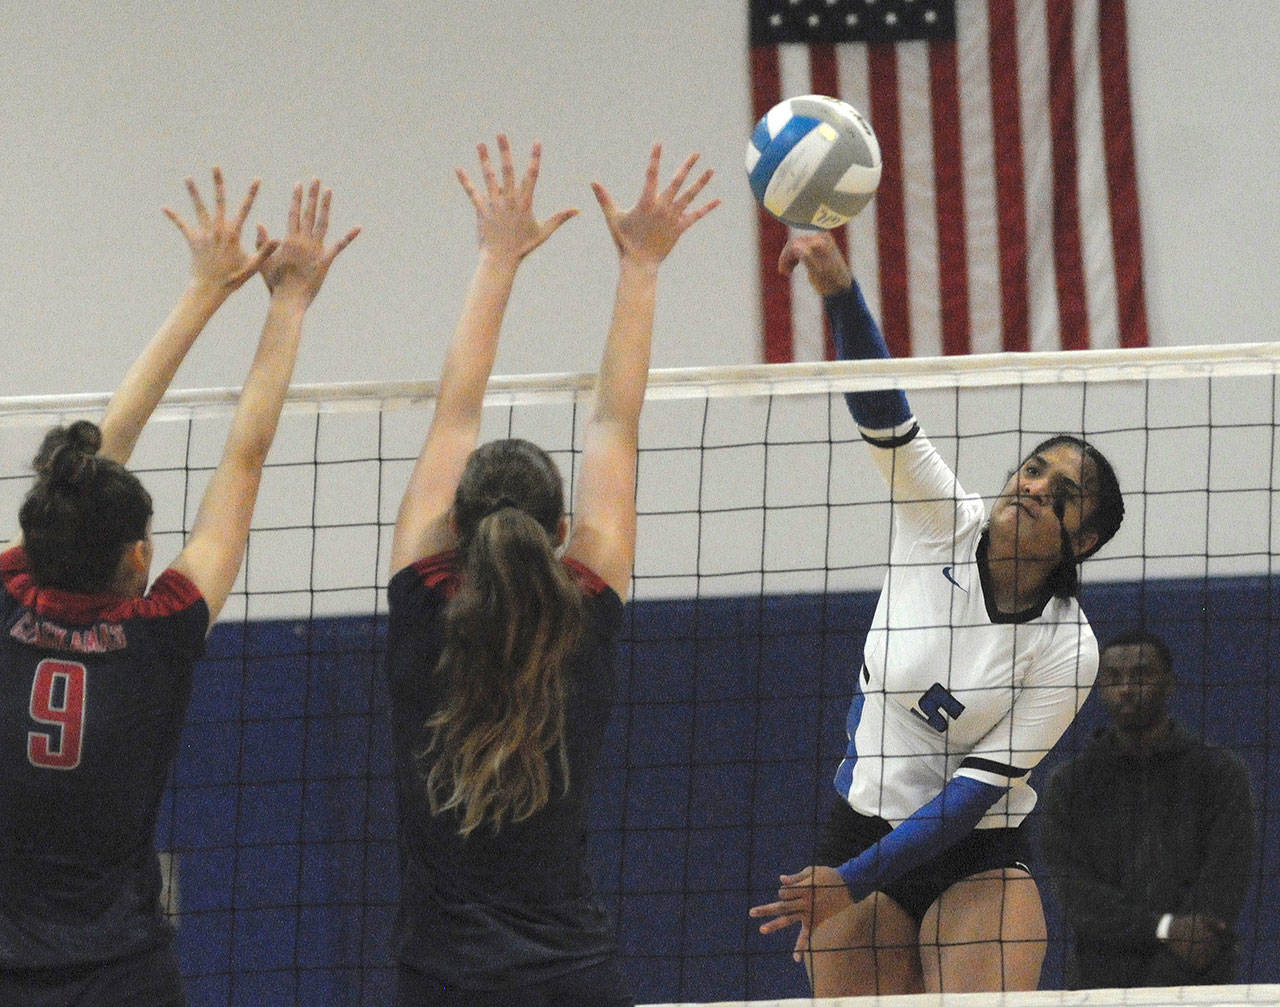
[{"x": 1007, "y": 214}]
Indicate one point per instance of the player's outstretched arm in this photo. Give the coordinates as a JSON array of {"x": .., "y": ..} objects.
[
  {"x": 507, "y": 231},
  {"x": 294, "y": 273},
  {"x": 604, "y": 524},
  {"x": 219, "y": 265},
  {"x": 857, "y": 335}
]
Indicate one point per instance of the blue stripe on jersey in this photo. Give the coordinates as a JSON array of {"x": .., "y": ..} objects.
[{"x": 844, "y": 772}]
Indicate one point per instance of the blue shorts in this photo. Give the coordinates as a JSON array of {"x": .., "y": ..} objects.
[
  {"x": 150, "y": 977},
  {"x": 848, "y": 833}
]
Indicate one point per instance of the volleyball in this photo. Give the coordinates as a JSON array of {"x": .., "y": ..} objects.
[{"x": 813, "y": 161}]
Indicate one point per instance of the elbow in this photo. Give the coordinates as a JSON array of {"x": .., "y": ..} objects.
[{"x": 249, "y": 457}]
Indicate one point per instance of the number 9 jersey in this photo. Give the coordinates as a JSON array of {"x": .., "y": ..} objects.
[{"x": 93, "y": 692}]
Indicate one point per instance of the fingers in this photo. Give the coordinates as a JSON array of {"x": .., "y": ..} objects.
[
  {"x": 531, "y": 174},
  {"x": 790, "y": 903},
  {"x": 250, "y": 196},
  {"x": 265, "y": 247},
  {"x": 486, "y": 170},
  {"x": 692, "y": 218},
  {"x": 336, "y": 250},
  {"x": 202, "y": 214},
  {"x": 468, "y": 186},
  {"x": 781, "y": 923},
  {"x": 508, "y": 169},
  {"x": 309, "y": 215},
  {"x": 295, "y": 209},
  {"x": 178, "y": 222},
  {"x": 692, "y": 193},
  {"x": 802, "y": 942},
  {"x": 604, "y": 199},
  {"x": 554, "y": 221},
  {"x": 651, "y": 173},
  {"x": 681, "y": 174},
  {"x": 219, "y": 193},
  {"x": 789, "y": 259},
  {"x": 322, "y": 219},
  {"x": 262, "y": 237}
]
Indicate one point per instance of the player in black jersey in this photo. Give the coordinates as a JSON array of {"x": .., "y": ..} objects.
[
  {"x": 500, "y": 650},
  {"x": 95, "y": 669}
]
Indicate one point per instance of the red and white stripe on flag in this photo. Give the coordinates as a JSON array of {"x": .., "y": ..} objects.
[{"x": 1007, "y": 214}]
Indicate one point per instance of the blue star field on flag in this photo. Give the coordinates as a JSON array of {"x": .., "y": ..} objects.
[{"x": 777, "y": 21}]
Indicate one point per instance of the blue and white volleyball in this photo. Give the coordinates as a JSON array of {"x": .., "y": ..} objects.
[{"x": 813, "y": 161}]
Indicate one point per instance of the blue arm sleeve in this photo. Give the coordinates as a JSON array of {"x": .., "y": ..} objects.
[
  {"x": 858, "y": 337},
  {"x": 935, "y": 827}
]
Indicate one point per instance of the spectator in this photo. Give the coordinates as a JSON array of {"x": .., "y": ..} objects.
[{"x": 1150, "y": 836}]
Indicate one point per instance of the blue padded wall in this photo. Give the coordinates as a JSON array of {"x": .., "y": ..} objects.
[{"x": 716, "y": 777}]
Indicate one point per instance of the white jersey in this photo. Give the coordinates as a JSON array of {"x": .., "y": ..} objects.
[{"x": 948, "y": 685}]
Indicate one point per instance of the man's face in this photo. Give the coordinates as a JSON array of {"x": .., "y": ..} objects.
[{"x": 1135, "y": 686}]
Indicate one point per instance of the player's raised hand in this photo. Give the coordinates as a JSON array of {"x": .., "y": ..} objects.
[
  {"x": 650, "y": 229},
  {"x": 301, "y": 261},
  {"x": 505, "y": 223},
  {"x": 828, "y": 271},
  {"x": 217, "y": 260}
]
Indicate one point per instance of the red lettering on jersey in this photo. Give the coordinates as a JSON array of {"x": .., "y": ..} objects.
[
  {"x": 97, "y": 639},
  {"x": 58, "y": 700}
]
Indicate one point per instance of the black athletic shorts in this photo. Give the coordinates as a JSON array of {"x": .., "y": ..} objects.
[
  {"x": 849, "y": 833},
  {"x": 598, "y": 986},
  {"x": 148, "y": 979}
]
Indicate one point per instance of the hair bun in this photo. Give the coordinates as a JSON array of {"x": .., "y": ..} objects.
[{"x": 66, "y": 452}]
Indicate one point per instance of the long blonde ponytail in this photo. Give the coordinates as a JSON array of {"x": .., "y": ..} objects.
[{"x": 515, "y": 620}]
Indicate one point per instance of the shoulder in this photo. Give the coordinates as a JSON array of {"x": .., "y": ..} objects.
[
  {"x": 600, "y": 598},
  {"x": 1220, "y": 760},
  {"x": 1067, "y": 634},
  {"x": 1076, "y": 772},
  {"x": 15, "y": 569},
  {"x": 172, "y": 595},
  {"x": 438, "y": 574}
]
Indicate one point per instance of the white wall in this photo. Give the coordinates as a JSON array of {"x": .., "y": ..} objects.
[{"x": 104, "y": 108}]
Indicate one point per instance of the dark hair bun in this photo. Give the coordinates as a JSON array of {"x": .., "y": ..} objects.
[{"x": 66, "y": 454}]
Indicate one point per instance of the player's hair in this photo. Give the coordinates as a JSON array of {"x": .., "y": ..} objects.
[
  {"x": 1104, "y": 520},
  {"x": 82, "y": 512},
  {"x": 1141, "y": 637},
  {"x": 515, "y": 619}
]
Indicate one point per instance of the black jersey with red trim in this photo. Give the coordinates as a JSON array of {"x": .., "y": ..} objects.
[
  {"x": 93, "y": 691},
  {"x": 508, "y": 909}
]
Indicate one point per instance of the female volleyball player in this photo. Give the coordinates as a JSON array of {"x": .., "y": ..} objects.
[
  {"x": 977, "y": 660},
  {"x": 95, "y": 670},
  {"x": 500, "y": 648}
]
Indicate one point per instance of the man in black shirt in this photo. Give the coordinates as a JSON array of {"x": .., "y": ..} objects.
[{"x": 1150, "y": 834}]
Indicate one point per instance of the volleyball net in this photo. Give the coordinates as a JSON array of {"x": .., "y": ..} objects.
[{"x": 763, "y": 539}]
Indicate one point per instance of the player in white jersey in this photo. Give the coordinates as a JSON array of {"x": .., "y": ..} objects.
[{"x": 977, "y": 660}]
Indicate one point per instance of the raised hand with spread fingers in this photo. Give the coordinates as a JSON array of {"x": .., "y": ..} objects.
[{"x": 219, "y": 266}]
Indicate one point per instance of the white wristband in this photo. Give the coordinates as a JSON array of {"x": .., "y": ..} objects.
[{"x": 1162, "y": 928}]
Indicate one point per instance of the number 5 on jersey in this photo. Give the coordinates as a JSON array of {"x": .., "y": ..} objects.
[
  {"x": 936, "y": 705},
  {"x": 57, "y": 700}
]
